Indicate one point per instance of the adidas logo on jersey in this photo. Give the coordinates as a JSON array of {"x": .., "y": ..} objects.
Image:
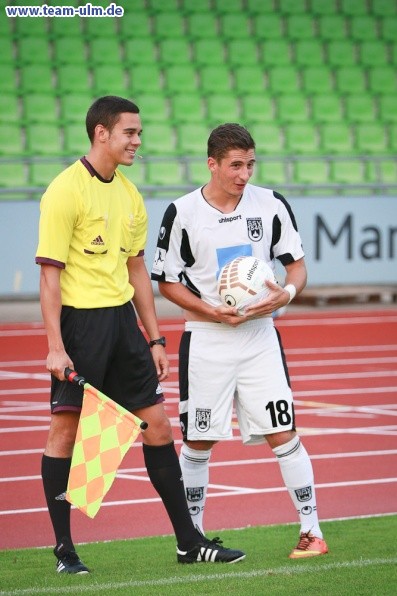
[{"x": 98, "y": 241}]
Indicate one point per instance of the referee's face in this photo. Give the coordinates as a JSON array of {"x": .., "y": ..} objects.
[
  {"x": 124, "y": 139},
  {"x": 232, "y": 173}
]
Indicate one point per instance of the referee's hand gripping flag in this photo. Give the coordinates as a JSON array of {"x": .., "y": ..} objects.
[{"x": 105, "y": 432}]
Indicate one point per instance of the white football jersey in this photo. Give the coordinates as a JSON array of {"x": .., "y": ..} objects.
[{"x": 196, "y": 240}]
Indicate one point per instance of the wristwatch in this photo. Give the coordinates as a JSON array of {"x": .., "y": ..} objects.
[{"x": 158, "y": 342}]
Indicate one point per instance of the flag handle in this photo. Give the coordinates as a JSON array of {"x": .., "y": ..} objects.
[{"x": 73, "y": 377}]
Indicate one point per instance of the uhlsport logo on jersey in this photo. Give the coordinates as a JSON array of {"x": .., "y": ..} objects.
[
  {"x": 304, "y": 494},
  {"x": 255, "y": 228},
  {"x": 203, "y": 418}
]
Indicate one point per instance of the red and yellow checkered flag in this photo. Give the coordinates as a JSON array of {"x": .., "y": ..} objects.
[{"x": 105, "y": 433}]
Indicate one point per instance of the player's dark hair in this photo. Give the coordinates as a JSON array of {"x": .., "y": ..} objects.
[
  {"x": 228, "y": 136},
  {"x": 106, "y": 111}
]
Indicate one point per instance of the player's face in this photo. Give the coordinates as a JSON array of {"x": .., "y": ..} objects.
[
  {"x": 124, "y": 139},
  {"x": 233, "y": 172}
]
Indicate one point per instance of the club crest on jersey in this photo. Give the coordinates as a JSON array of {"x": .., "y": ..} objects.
[
  {"x": 203, "y": 418},
  {"x": 255, "y": 228},
  {"x": 194, "y": 494},
  {"x": 304, "y": 494}
]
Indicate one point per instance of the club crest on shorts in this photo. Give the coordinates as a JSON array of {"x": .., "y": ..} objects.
[
  {"x": 194, "y": 494},
  {"x": 304, "y": 494},
  {"x": 203, "y": 419},
  {"x": 255, "y": 228}
]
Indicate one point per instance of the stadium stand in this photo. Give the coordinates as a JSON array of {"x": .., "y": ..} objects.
[{"x": 314, "y": 80}]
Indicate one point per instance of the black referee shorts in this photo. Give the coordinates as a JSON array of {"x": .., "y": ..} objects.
[{"x": 109, "y": 350}]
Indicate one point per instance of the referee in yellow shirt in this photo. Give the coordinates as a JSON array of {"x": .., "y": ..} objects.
[{"x": 92, "y": 235}]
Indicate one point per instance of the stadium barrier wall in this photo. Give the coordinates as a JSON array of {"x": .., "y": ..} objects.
[{"x": 347, "y": 241}]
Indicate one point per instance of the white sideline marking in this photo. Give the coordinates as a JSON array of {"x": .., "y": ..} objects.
[{"x": 287, "y": 570}]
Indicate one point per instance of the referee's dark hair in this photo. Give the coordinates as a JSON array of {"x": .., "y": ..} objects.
[
  {"x": 228, "y": 136},
  {"x": 106, "y": 111}
]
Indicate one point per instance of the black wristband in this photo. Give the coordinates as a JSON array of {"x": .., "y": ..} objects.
[{"x": 158, "y": 342}]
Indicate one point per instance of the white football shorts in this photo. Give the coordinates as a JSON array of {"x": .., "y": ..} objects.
[{"x": 221, "y": 366}]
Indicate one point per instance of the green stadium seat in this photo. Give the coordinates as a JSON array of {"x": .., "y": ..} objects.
[
  {"x": 323, "y": 7},
  {"x": 215, "y": 79},
  {"x": 145, "y": 78},
  {"x": 74, "y": 107},
  {"x": 353, "y": 8},
  {"x": 109, "y": 79},
  {"x": 290, "y": 7},
  {"x": 39, "y": 107},
  {"x": 168, "y": 25},
  {"x": 283, "y": 79},
  {"x": 360, "y": 108},
  {"x": 208, "y": 52},
  {"x": 13, "y": 175},
  {"x": 76, "y": 140},
  {"x": 104, "y": 27},
  {"x": 158, "y": 139},
  {"x": 350, "y": 79},
  {"x": 388, "y": 29},
  {"x": 347, "y": 172},
  {"x": 276, "y": 52},
  {"x": 73, "y": 78},
  {"x": 44, "y": 139},
  {"x": 393, "y": 138},
  {"x": 69, "y": 50},
  {"x": 384, "y": 8},
  {"x": 255, "y": 7},
  {"x": 222, "y": 108},
  {"x": 153, "y": 107},
  {"x": 30, "y": 27},
  {"x": 197, "y": 173},
  {"x": 249, "y": 79},
  {"x": 189, "y": 7},
  {"x": 336, "y": 139},
  {"x": 11, "y": 140},
  {"x": 371, "y": 138},
  {"x": 138, "y": 22},
  {"x": 228, "y": 6},
  {"x": 186, "y": 107},
  {"x": 317, "y": 80},
  {"x": 363, "y": 28},
  {"x": 268, "y": 138},
  {"x": 201, "y": 26},
  {"x": 140, "y": 50},
  {"x": 341, "y": 52},
  {"x": 300, "y": 26},
  {"x": 242, "y": 51},
  {"x": 7, "y": 28},
  {"x": 165, "y": 173},
  {"x": 41, "y": 174},
  {"x": 7, "y": 52},
  {"x": 156, "y": 7},
  {"x": 292, "y": 108},
  {"x": 326, "y": 108},
  {"x": 382, "y": 80},
  {"x": 32, "y": 50},
  {"x": 136, "y": 173},
  {"x": 301, "y": 138},
  {"x": 9, "y": 108},
  {"x": 373, "y": 53},
  {"x": 192, "y": 139},
  {"x": 234, "y": 26},
  {"x": 309, "y": 52},
  {"x": 180, "y": 79},
  {"x": 65, "y": 27},
  {"x": 332, "y": 27},
  {"x": 311, "y": 172},
  {"x": 104, "y": 50},
  {"x": 268, "y": 26},
  {"x": 384, "y": 170},
  {"x": 36, "y": 78},
  {"x": 270, "y": 174},
  {"x": 174, "y": 51},
  {"x": 257, "y": 107},
  {"x": 387, "y": 108}
]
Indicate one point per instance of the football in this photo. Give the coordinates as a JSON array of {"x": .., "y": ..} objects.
[{"x": 241, "y": 282}]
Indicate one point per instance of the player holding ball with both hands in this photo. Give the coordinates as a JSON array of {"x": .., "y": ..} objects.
[{"x": 225, "y": 355}]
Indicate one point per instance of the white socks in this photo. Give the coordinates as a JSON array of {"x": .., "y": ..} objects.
[
  {"x": 195, "y": 472},
  {"x": 297, "y": 472}
]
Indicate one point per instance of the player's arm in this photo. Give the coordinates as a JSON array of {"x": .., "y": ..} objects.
[
  {"x": 143, "y": 300},
  {"x": 51, "y": 305}
]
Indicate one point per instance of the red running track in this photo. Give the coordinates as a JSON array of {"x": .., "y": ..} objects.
[{"x": 344, "y": 376}]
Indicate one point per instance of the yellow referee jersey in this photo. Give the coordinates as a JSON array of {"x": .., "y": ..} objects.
[{"x": 89, "y": 227}]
